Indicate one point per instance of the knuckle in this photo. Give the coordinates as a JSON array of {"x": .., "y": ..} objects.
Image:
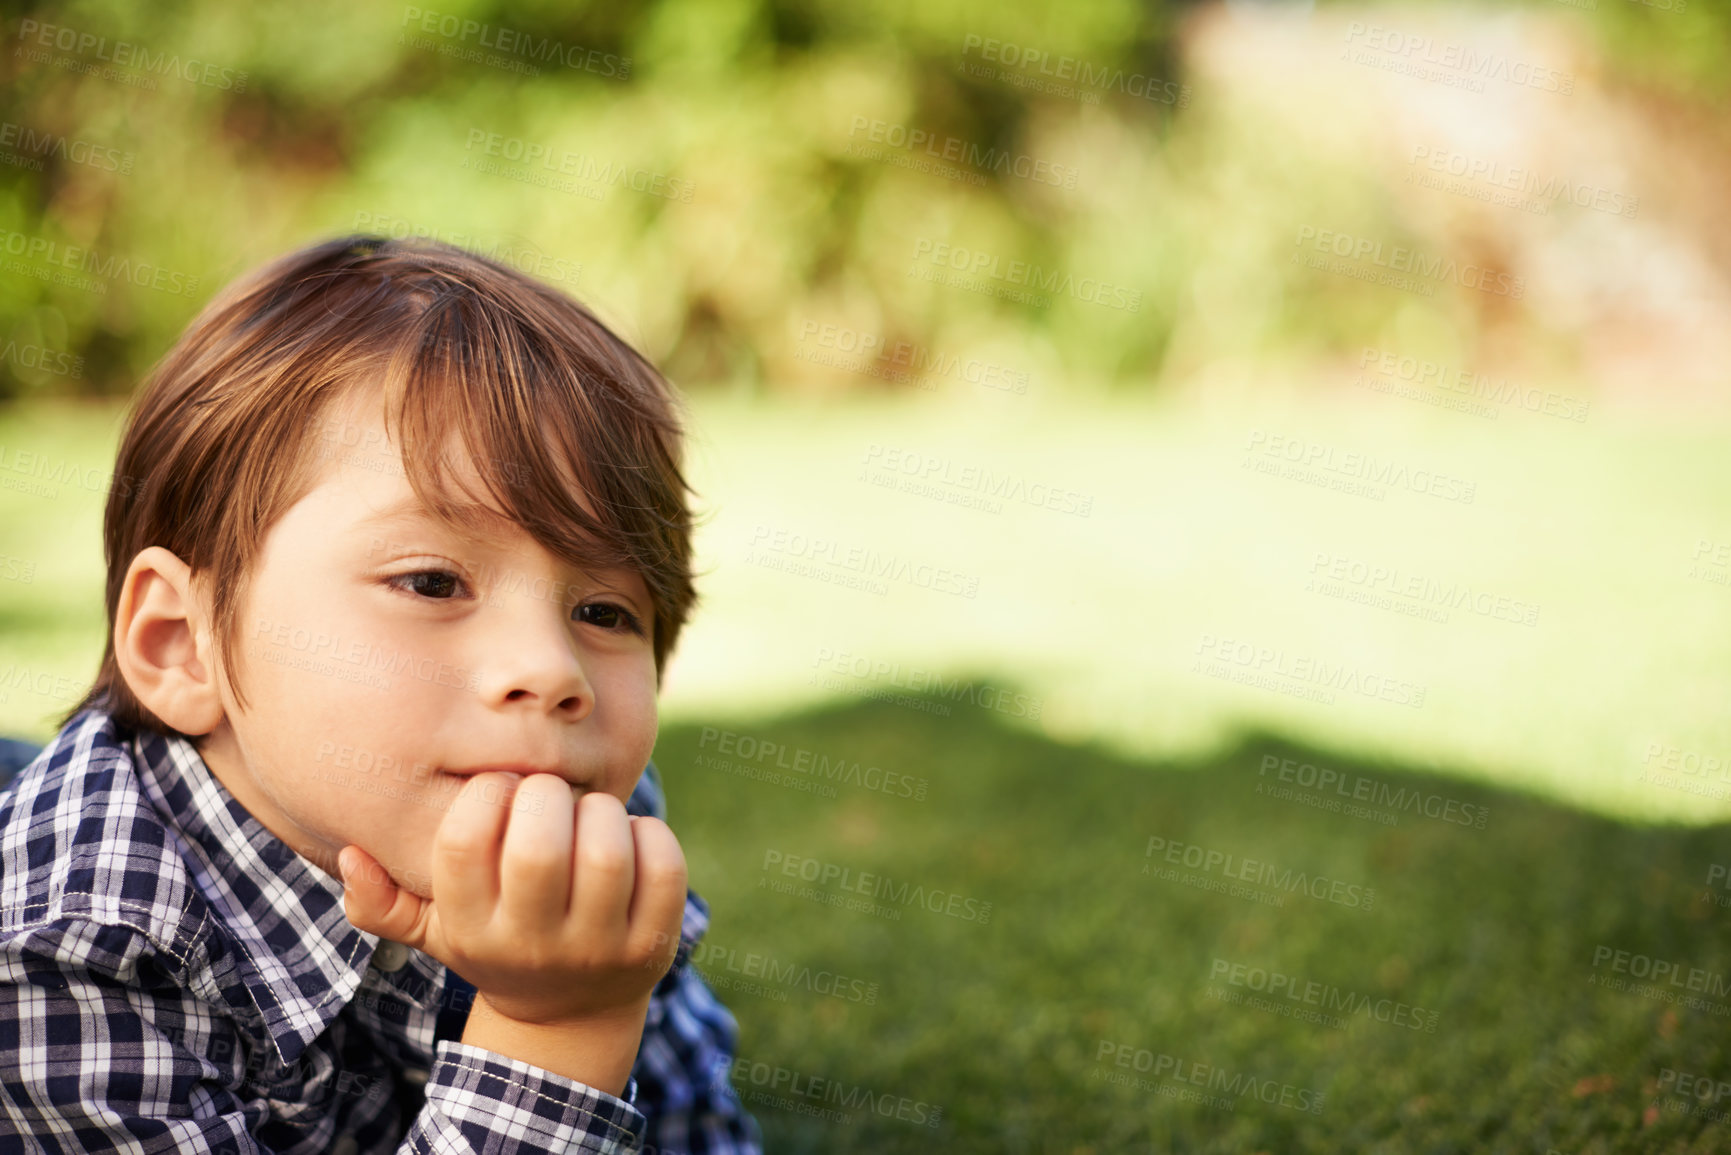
[
  {"x": 459, "y": 842},
  {"x": 539, "y": 955},
  {"x": 644, "y": 958},
  {"x": 535, "y": 858},
  {"x": 662, "y": 877},
  {"x": 601, "y": 859}
]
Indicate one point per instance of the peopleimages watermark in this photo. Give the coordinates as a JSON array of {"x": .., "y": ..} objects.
[
  {"x": 1180, "y": 1075},
  {"x": 831, "y": 1100},
  {"x": 760, "y": 973},
  {"x": 1457, "y": 65},
  {"x": 981, "y": 272},
  {"x": 755, "y": 753},
  {"x": 1234, "y": 869},
  {"x": 388, "y": 995},
  {"x": 497, "y": 581},
  {"x": 877, "y": 888},
  {"x": 905, "y": 362},
  {"x": 370, "y": 448},
  {"x": 368, "y": 772},
  {"x": 1711, "y": 562},
  {"x": 112, "y": 56},
  {"x": 1304, "y": 676},
  {"x": 86, "y": 269},
  {"x": 1708, "y": 1092},
  {"x": 1389, "y": 268},
  {"x": 811, "y": 556},
  {"x": 1718, "y": 891},
  {"x": 41, "y": 359},
  {"x": 322, "y": 652},
  {"x": 27, "y": 148},
  {"x": 1348, "y": 471},
  {"x": 524, "y": 257},
  {"x": 975, "y": 486},
  {"x": 1388, "y": 587},
  {"x": 1067, "y": 76},
  {"x": 1308, "y": 1000},
  {"x": 916, "y": 680},
  {"x": 1662, "y": 980},
  {"x": 39, "y": 683},
  {"x": 1343, "y": 791},
  {"x": 563, "y": 170},
  {"x": 1392, "y": 372},
  {"x": 1678, "y": 768},
  {"x": 1511, "y": 185},
  {"x": 40, "y": 474},
  {"x": 517, "y": 51},
  {"x": 943, "y": 147},
  {"x": 263, "y": 1065}
]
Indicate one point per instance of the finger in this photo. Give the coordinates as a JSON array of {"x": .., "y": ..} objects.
[
  {"x": 535, "y": 865},
  {"x": 466, "y": 852},
  {"x": 605, "y": 866},
  {"x": 376, "y": 904},
  {"x": 658, "y": 902}
]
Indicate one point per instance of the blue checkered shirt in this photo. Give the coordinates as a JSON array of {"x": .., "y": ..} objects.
[{"x": 174, "y": 977}]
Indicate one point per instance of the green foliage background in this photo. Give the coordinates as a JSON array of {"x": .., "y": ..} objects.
[{"x": 327, "y": 116}]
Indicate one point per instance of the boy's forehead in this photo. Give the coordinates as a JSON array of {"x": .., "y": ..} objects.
[
  {"x": 375, "y": 487},
  {"x": 366, "y": 467},
  {"x": 402, "y": 512}
]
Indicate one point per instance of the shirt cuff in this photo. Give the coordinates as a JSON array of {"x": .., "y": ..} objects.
[{"x": 530, "y": 1107}]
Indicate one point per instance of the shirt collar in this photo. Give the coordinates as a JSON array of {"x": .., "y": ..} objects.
[{"x": 299, "y": 960}]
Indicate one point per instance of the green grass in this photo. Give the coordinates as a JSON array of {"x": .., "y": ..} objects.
[{"x": 1000, "y": 1023}]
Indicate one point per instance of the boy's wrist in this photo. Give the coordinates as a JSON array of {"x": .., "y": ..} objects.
[{"x": 597, "y": 1052}]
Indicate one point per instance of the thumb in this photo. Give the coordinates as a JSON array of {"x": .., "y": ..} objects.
[{"x": 376, "y": 904}]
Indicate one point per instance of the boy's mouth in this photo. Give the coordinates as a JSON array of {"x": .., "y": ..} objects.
[{"x": 521, "y": 768}]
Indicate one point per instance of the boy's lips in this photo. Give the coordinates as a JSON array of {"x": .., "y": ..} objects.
[{"x": 522, "y": 768}]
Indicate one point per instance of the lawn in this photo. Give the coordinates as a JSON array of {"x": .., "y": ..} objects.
[
  {"x": 1182, "y": 950},
  {"x": 1463, "y": 1008}
]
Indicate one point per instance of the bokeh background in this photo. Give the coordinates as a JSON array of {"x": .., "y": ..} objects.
[{"x": 1171, "y": 435}]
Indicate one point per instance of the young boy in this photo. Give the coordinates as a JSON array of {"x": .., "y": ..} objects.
[{"x": 354, "y": 844}]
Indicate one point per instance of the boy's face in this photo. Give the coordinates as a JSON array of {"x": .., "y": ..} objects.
[{"x": 382, "y": 654}]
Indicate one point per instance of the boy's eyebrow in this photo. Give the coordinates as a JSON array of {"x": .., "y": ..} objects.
[{"x": 409, "y": 509}]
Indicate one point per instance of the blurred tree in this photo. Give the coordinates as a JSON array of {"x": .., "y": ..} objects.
[{"x": 781, "y": 191}]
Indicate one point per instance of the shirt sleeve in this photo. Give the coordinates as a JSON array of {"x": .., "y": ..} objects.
[
  {"x": 479, "y": 1100},
  {"x": 90, "y": 1062}
]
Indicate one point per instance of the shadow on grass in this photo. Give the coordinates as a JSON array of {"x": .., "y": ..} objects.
[{"x": 1237, "y": 955}]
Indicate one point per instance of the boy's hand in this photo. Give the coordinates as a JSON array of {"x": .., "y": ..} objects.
[{"x": 562, "y": 913}]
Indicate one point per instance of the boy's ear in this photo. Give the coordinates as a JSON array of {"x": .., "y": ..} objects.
[{"x": 163, "y": 643}]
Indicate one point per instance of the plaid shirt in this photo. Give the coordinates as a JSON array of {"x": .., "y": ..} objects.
[{"x": 174, "y": 977}]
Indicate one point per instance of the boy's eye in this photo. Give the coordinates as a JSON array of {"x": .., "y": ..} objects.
[
  {"x": 432, "y": 583},
  {"x": 609, "y": 617},
  {"x": 441, "y": 585}
]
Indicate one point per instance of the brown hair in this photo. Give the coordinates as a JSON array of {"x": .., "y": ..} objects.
[{"x": 548, "y": 401}]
